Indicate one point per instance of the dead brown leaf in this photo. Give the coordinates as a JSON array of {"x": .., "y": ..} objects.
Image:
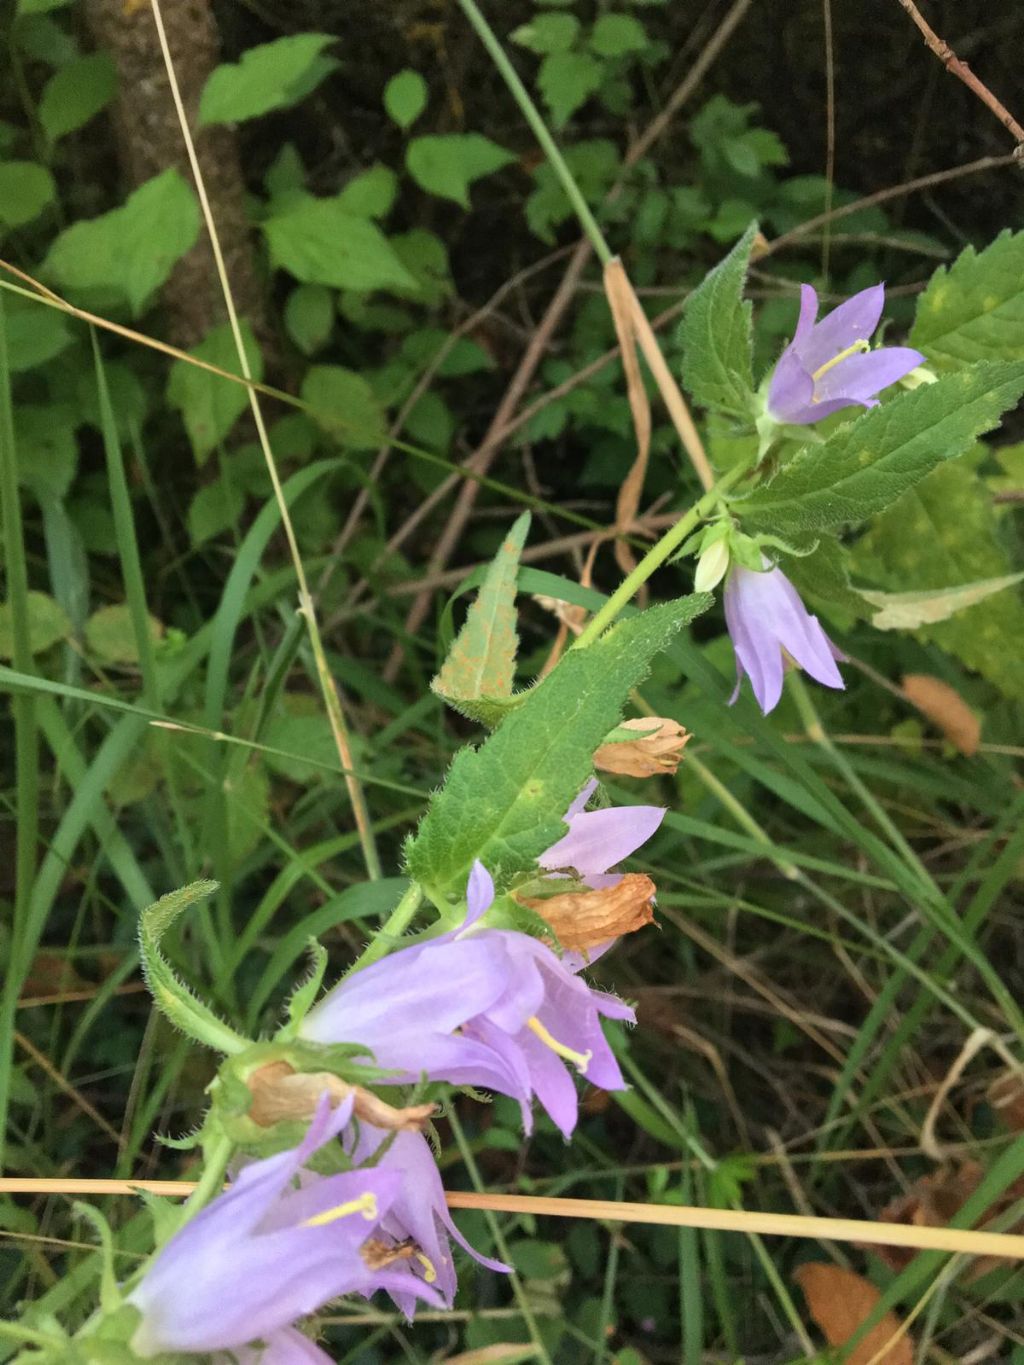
[
  {"x": 1006, "y": 1096},
  {"x": 583, "y": 919},
  {"x": 620, "y": 301},
  {"x": 657, "y": 749},
  {"x": 932, "y": 1201},
  {"x": 839, "y": 1301},
  {"x": 945, "y": 708}
]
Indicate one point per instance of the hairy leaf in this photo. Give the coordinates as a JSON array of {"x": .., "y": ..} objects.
[
  {"x": 865, "y": 466},
  {"x": 715, "y": 336},
  {"x": 481, "y": 662},
  {"x": 974, "y": 309},
  {"x": 908, "y": 610},
  {"x": 498, "y": 800}
]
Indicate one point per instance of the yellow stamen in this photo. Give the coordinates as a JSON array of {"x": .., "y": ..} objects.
[
  {"x": 429, "y": 1273},
  {"x": 580, "y": 1060},
  {"x": 366, "y": 1204},
  {"x": 858, "y": 348}
]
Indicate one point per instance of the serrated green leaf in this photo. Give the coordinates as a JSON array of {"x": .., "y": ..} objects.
[
  {"x": 129, "y": 252},
  {"x": 320, "y": 242},
  {"x": 503, "y": 801},
  {"x": 271, "y": 76},
  {"x": 865, "y": 466},
  {"x": 185, "y": 1010},
  {"x": 47, "y": 623},
  {"x": 974, "y": 309},
  {"x": 209, "y": 404},
  {"x": 481, "y": 662},
  {"x": 405, "y": 98},
  {"x": 448, "y": 163},
  {"x": 567, "y": 80},
  {"x": 76, "y": 93},
  {"x": 910, "y": 610},
  {"x": 715, "y": 336},
  {"x": 942, "y": 533}
]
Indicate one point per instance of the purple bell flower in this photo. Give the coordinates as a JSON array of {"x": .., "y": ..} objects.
[
  {"x": 482, "y": 1007},
  {"x": 418, "y": 1217},
  {"x": 599, "y": 839},
  {"x": 767, "y": 621},
  {"x": 286, "y": 1347},
  {"x": 829, "y": 365},
  {"x": 265, "y": 1254}
]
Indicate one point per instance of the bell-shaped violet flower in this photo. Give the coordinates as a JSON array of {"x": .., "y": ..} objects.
[
  {"x": 829, "y": 365},
  {"x": 286, "y": 1347},
  {"x": 767, "y": 621},
  {"x": 599, "y": 839},
  {"x": 483, "y": 1007},
  {"x": 418, "y": 1222},
  {"x": 265, "y": 1254}
]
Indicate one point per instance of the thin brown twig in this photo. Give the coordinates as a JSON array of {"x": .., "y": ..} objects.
[
  {"x": 923, "y": 182},
  {"x": 44, "y": 1063},
  {"x": 963, "y": 72}
]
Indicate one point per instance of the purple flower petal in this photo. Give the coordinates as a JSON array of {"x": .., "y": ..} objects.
[
  {"x": 263, "y": 1255},
  {"x": 860, "y": 377},
  {"x": 598, "y": 840},
  {"x": 805, "y": 320},
  {"x": 580, "y": 804},
  {"x": 287, "y": 1347},
  {"x": 765, "y": 616},
  {"x": 791, "y": 390},
  {"x": 479, "y": 893},
  {"x": 854, "y": 320}
]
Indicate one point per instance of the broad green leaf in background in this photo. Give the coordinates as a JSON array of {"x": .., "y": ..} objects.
[
  {"x": 566, "y": 81},
  {"x": 594, "y": 162},
  {"x": 271, "y": 76},
  {"x": 110, "y": 634},
  {"x": 371, "y": 193},
  {"x": 823, "y": 574},
  {"x": 481, "y": 662},
  {"x": 497, "y": 802},
  {"x": 35, "y": 333},
  {"x": 76, "y": 93},
  {"x": 405, "y": 98},
  {"x": 309, "y": 316},
  {"x": 942, "y": 534},
  {"x": 615, "y": 35},
  {"x": 547, "y": 33},
  {"x": 47, "y": 447},
  {"x": 343, "y": 403},
  {"x": 974, "y": 309},
  {"x": 863, "y": 467},
  {"x": 320, "y": 242},
  {"x": 909, "y": 610},
  {"x": 209, "y": 404},
  {"x": 215, "y": 508},
  {"x": 25, "y": 190},
  {"x": 130, "y": 251},
  {"x": 448, "y": 163},
  {"x": 715, "y": 336},
  {"x": 47, "y": 623}
]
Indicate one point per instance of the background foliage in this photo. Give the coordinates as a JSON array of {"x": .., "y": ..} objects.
[{"x": 396, "y": 239}]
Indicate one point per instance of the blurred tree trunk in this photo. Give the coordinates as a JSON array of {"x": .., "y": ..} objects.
[{"x": 149, "y": 140}]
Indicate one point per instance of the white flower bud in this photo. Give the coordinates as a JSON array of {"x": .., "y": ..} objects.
[{"x": 711, "y": 567}]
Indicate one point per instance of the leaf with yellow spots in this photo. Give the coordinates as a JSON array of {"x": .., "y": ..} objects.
[
  {"x": 862, "y": 468},
  {"x": 481, "y": 662},
  {"x": 944, "y": 533},
  {"x": 974, "y": 309}
]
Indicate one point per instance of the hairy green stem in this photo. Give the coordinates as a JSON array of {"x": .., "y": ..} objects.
[
  {"x": 656, "y": 557},
  {"x": 533, "y": 117},
  {"x": 393, "y": 928}
]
